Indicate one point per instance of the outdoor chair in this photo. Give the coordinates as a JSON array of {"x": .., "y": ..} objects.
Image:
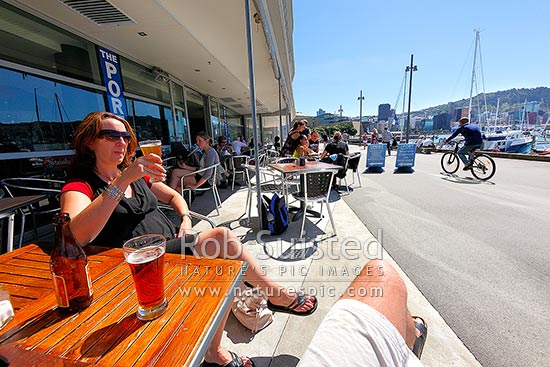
[
  {"x": 238, "y": 167},
  {"x": 270, "y": 182},
  {"x": 213, "y": 188},
  {"x": 342, "y": 173},
  {"x": 315, "y": 188},
  {"x": 353, "y": 164},
  {"x": 289, "y": 180},
  {"x": 21, "y": 186}
]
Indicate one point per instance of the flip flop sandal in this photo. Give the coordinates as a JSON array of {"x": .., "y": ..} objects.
[
  {"x": 235, "y": 362},
  {"x": 418, "y": 345},
  {"x": 300, "y": 299}
]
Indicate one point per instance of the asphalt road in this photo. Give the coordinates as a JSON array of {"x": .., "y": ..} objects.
[{"x": 479, "y": 252}]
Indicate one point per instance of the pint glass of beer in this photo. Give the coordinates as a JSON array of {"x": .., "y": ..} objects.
[
  {"x": 151, "y": 146},
  {"x": 145, "y": 256}
]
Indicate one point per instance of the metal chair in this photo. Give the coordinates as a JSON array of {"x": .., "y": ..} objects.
[
  {"x": 353, "y": 164},
  {"x": 270, "y": 182},
  {"x": 315, "y": 188},
  {"x": 19, "y": 186},
  {"x": 343, "y": 161},
  {"x": 214, "y": 187},
  {"x": 238, "y": 166},
  {"x": 289, "y": 180}
]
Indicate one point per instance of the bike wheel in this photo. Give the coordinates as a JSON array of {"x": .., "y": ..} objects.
[
  {"x": 450, "y": 162},
  {"x": 484, "y": 167}
]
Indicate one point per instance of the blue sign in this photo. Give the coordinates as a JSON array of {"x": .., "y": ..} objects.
[
  {"x": 110, "y": 68},
  {"x": 405, "y": 155},
  {"x": 376, "y": 155}
]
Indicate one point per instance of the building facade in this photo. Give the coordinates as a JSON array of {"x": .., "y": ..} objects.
[{"x": 171, "y": 68}]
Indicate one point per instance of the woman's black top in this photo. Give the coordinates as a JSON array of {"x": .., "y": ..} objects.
[{"x": 132, "y": 217}]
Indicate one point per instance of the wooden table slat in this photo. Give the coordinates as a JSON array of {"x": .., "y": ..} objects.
[{"x": 108, "y": 332}]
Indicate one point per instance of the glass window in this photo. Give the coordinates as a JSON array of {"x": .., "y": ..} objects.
[
  {"x": 195, "y": 111},
  {"x": 214, "y": 118},
  {"x": 182, "y": 131},
  {"x": 31, "y": 41},
  {"x": 37, "y": 114},
  {"x": 178, "y": 95},
  {"x": 148, "y": 121},
  {"x": 234, "y": 123},
  {"x": 138, "y": 79}
]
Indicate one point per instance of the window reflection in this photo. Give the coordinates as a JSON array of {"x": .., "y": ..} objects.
[
  {"x": 37, "y": 114},
  {"x": 148, "y": 121}
]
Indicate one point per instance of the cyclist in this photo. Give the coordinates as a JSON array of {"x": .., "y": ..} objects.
[{"x": 472, "y": 140}]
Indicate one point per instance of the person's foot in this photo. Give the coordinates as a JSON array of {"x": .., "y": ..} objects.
[
  {"x": 223, "y": 357},
  {"x": 421, "y": 333},
  {"x": 288, "y": 301},
  {"x": 467, "y": 167}
]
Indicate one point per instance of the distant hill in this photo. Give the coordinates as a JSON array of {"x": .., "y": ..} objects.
[{"x": 510, "y": 100}]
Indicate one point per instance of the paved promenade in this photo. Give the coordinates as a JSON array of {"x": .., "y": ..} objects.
[{"x": 307, "y": 265}]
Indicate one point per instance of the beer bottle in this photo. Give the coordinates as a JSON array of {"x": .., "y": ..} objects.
[{"x": 69, "y": 268}]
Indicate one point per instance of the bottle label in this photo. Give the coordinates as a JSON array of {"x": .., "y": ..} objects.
[{"x": 60, "y": 291}]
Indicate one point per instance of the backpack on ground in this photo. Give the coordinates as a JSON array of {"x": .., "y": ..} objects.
[{"x": 274, "y": 214}]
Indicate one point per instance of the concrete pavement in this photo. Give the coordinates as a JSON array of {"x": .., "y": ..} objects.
[{"x": 323, "y": 264}]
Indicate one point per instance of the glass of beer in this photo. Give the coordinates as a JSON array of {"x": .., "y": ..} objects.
[
  {"x": 145, "y": 256},
  {"x": 151, "y": 146}
]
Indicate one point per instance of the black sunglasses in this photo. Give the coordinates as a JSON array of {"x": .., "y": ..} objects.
[{"x": 114, "y": 135}]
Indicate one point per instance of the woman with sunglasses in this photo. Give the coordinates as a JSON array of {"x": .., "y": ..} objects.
[{"x": 111, "y": 198}]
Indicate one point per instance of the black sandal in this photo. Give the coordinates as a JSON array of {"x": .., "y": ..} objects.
[
  {"x": 235, "y": 362},
  {"x": 300, "y": 299},
  {"x": 418, "y": 345}
]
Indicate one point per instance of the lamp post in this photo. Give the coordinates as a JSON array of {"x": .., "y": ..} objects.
[
  {"x": 360, "y": 99},
  {"x": 409, "y": 69}
]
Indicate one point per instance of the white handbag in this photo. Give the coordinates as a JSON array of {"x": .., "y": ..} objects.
[{"x": 250, "y": 308}]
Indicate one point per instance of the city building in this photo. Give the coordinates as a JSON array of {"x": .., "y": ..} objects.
[
  {"x": 171, "y": 68},
  {"x": 384, "y": 112}
]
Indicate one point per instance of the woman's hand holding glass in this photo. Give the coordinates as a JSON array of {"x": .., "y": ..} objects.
[{"x": 149, "y": 165}]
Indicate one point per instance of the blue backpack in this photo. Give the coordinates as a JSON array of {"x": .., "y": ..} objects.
[{"x": 274, "y": 214}]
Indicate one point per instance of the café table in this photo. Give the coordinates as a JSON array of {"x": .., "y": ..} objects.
[
  {"x": 108, "y": 333},
  {"x": 290, "y": 169},
  {"x": 8, "y": 207}
]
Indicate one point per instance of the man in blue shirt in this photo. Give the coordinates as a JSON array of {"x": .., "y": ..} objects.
[{"x": 472, "y": 140}]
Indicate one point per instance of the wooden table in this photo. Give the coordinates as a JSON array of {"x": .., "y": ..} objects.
[
  {"x": 8, "y": 207},
  {"x": 108, "y": 333}
]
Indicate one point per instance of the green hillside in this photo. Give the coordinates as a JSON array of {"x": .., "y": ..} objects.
[{"x": 510, "y": 100}]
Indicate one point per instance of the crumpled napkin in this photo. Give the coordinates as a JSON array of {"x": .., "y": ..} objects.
[{"x": 6, "y": 308}]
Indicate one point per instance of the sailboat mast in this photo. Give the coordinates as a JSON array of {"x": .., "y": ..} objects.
[{"x": 473, "y": 73}]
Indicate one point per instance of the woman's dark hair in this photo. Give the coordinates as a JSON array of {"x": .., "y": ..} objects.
[{"x": 87, "y": 132}]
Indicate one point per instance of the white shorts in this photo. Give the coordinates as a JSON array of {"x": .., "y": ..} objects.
[{"x": 355, "y": 334}]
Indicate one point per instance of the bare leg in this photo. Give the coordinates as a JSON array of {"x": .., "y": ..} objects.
[
  {"x": 175, "y": 178},
  {"x": 221, "y": 242},
  {"x": 379, "y": 274}
]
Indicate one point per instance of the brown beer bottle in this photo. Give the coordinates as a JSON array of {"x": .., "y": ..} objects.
[{"x": 69, "y": 267}]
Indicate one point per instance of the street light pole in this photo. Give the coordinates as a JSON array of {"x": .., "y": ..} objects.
[
  {"x": 361, "y": 98},
  {"x": 409, "y": 69}
]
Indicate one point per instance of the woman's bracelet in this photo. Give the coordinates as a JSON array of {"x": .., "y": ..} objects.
[
  {"x": 186, "y": 215},
  {"x": 114, "y": 192}
]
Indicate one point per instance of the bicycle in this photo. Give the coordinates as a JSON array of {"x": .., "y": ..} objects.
[{"x": 483, "y": 167}]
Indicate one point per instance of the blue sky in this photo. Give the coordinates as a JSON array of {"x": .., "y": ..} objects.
[{"x": 342, "y": 47}]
